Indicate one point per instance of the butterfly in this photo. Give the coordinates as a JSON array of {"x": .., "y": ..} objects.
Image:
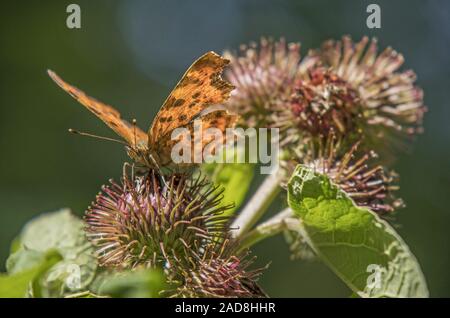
[{"x": 199, "y": 88}]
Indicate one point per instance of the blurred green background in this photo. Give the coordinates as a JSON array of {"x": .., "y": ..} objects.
[{"x": 131, "y": 53}]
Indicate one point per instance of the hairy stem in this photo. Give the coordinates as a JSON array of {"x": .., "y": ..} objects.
[
  {"x": 282, "y": 221},
  {"x": 258, "y": 204}
]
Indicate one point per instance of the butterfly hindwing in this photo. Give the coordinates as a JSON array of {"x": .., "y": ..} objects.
[{"x": 218, "y": 119}]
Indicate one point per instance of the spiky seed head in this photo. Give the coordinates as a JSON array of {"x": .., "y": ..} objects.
[
  {"x": 264, "y": 75},
  {"x": 321, "y": 102},
  {"x": 391, "y": 104},
  {"x": 344, "y": 86},
  {"x": 219, "y": 271},
  {"x": 147, "y": 220}
]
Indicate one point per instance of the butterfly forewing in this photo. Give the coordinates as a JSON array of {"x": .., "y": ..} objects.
[
  {"x": 200, "y": 87},
  {"x": 133, "y": 135}
]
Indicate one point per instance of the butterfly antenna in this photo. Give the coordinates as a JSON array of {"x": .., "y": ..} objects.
[{"x": 76, "y": 132}]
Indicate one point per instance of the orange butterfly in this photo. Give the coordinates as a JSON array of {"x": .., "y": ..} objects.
[{"x": 199, "y": 88}]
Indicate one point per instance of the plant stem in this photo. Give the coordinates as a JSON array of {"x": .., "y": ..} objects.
[
  {"x": 258, "y": 204},
  {"x": 284, "y": 220}
]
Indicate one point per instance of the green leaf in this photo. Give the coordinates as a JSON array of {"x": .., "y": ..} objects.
[
  {"x": 232, "y": 172},
  {"x": 362, "y": 249},
  {"x": 234, "y": 178},
  {"x": 64, "y": 232},
  {"x": 18, "y": 284},
  {"x": 23, "y": 259},
  {"x": 143, "y": 283}
]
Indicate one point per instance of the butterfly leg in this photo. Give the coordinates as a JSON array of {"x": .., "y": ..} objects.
[
  {"x": 158, "y": 168},
  {"x": 127, "y": 165}
]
